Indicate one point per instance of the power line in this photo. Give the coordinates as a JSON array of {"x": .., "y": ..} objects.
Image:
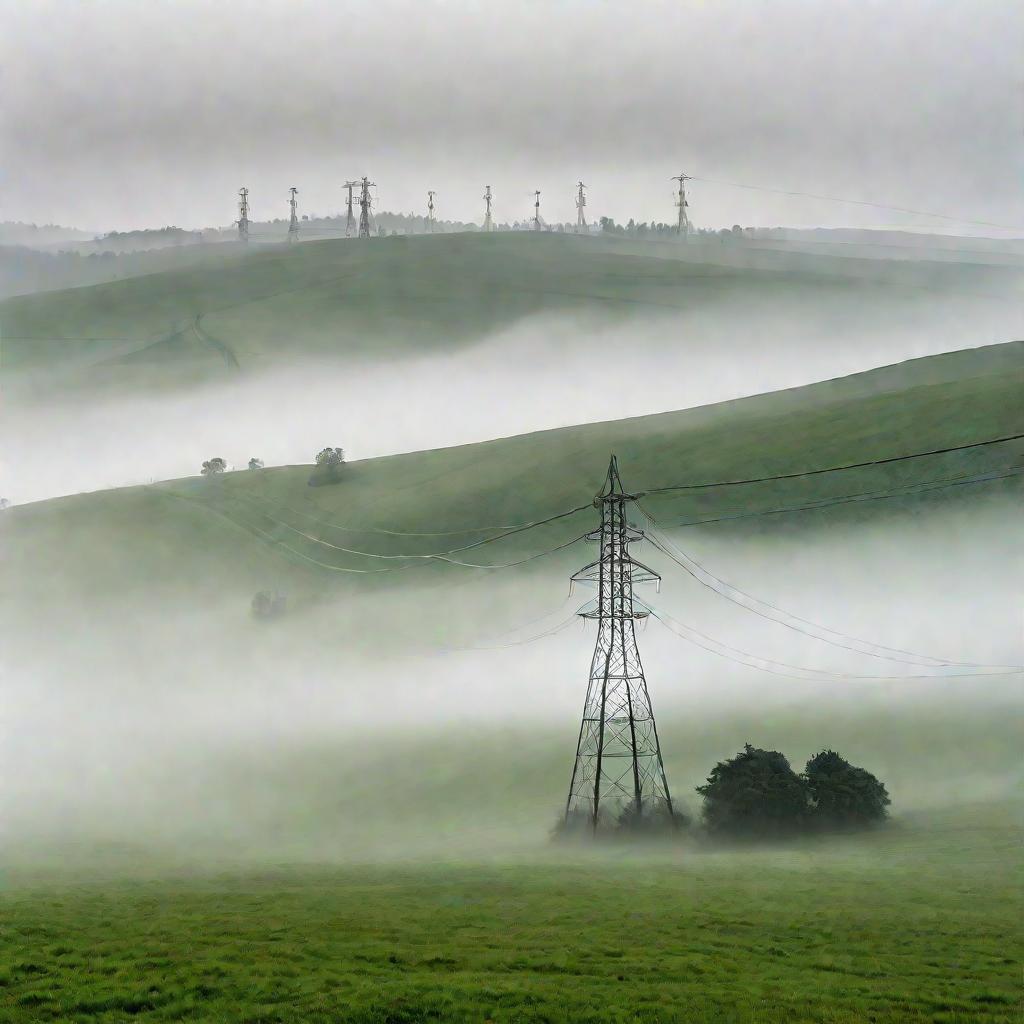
[
  {"x": 833, "y": 469},
  {"x": 860, "y": 202},
  {"x": 755, "y": 661},
  {"x": 410, "y": 560},
  {"x": 558, "y": 628},
  {"x": 391, "y": 533},
  {"x": 765, "y": 609},
  {"x": 909, "y": 491},
  {"x": 452, "y": 551}
]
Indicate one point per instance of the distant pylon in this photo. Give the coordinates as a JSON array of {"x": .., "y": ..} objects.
[
  {"x": 350, "y": 220},
  {"x": 430, "y": 211},
  {"x": 293, "y": 220},
  {"x": 581, "y": 202},
  {"x": 488, "y": 223},
  {"x": 618, "y": 777},
  {"x": 243, "y": 215},
  {"x": 364, "y": 207},
  {"x": 536, "y": 211},
  {"x": 683, "y": 223}
]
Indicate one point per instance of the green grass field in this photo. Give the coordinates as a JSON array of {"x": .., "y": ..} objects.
[{"x": 917, "y": 922}]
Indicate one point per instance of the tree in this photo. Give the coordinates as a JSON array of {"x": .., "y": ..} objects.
[
  {"x": 841, "y": 795},
  {"x": 255, "y": 463},
  {"x": 214, "y": 466},
  {"x": 755, "y": 794},
  {"x": 329, "y": 463},
  {"x": 330, "y": 457}
]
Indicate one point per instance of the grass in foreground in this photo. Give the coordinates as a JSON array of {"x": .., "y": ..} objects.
[{"x": 914, "y": 923}]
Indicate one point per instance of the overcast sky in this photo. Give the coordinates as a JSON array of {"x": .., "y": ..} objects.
[{"x": 132, "y": 113}]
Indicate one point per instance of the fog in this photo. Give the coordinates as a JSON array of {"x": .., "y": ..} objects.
[
  {"x": 126, "y": 115},
  {"x": 146, "y": 710},
  {"x": 542, "y": 372},
  {"x": 180, "y": 727}
]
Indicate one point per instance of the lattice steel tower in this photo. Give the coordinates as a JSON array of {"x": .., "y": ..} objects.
[
  {"x": 619, "y": 777},
  {"x": 243, "y": 215},
  {"x": 364, "y": 207},
  {"x": 350, "y": 219},
  {"x": 430, "y": 212},
  {"x": 581, "y": 203},
  {"x": 683, "y": 223},
  {"x": 293, "y": 219},
  {"x": 536, "y": 211},
  {"x": 488, "y": 223}
]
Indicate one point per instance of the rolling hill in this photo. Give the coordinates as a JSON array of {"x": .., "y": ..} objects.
[
  {"x": 348, "y": 299},
  {"x": 246, "y": 527}
]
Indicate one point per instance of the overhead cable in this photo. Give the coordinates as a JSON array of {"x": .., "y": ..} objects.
[
  {"x": 832, "y": 469},
  {"x": 844, "y": 499},
  {"x": 427, "y": 555},
  {"x": 762, "y": 664},
  {"x": 859, "y": 202},
  {"x": 798, "y": 624}
]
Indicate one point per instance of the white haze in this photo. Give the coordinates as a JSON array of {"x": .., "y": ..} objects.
[
  {"x": 543, "y": 372},
  {"x": 180, "y": 720},
  {"x": 124, "y": 114}
]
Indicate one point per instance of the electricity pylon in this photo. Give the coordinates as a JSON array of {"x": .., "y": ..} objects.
[
  {"x": 350, "y": 220},
  {"x": 683, "y": 223},
  {"x": 488, "y": 223},
  {"x": 430, "y": 211},
  {"x": 293, "y": 220},
  {"x": 618, "y": 778},
  {"x": 536, "y": 211},
  {"x": 364, "y": 207},
  {"x": 243, "y": 215},
  {"x": 581, "y": 202}
]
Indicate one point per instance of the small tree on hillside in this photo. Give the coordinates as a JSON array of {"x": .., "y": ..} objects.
[
  {"x": 842, "y": 795},
  {"x": 755, "y": 794},
  {"x": 214, "y": 466},
  {"x": 329, "y": 463}
]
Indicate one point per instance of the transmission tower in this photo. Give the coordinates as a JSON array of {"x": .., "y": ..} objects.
[
  {"x": 430, "y": 211},
  {"x": 581, "y": 202},
  {"x": 243, "y": 215},
  {"x": 536, "y": 211},
  {"x": 293, "y": 219},
  {"x": 350, "y": 220},
  {"x": 683, "y": 223},
  {"x": 488, "y": 223},
  {"x": 619, "y": 776},
  {"x": 364, "y": 207}
]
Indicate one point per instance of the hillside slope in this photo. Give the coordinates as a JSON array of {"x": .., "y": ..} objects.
[
  {"x": 344, "y": 299},
  {"x": 244, "y": 528}
]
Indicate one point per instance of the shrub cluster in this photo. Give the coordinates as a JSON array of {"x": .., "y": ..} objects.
[{"x": 756, "y": 794}]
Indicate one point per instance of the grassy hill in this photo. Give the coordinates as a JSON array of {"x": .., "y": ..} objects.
[
  {"x": 344, "y": 299},
  {"x": 234, "y": 532}
]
